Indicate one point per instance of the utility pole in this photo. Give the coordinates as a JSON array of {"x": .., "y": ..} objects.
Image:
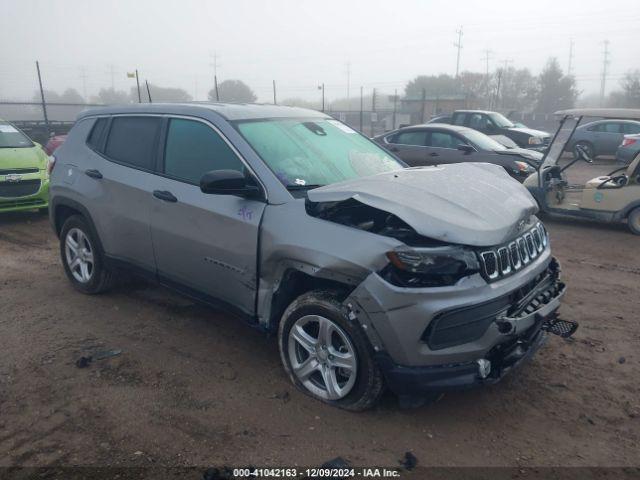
[
  {"x": 83, "y": 76},
  {"x": 44, "y": 103},
  {"x": 424, "y": 101},
  {"x": 395, "y": 103},
  {"x": 274, "y": 93},
  {"x": 373, "y": 101},
  {"x": 138, "y": 84},
  {"x": 361, "y": 108},
  {"x": 148, "y": 91},
  {"x": 112, "y": 72},
  {"x": 321, "y": 87},
  {"x": 458, "y": 45},
  {"x": 605, "y": 65},
  {"x": 214, "y": 64},
  {"x": 569, "y": 68},
  {"x": 348, "y": 85},
  {"x": 487, "y": 55},
  {"x": 215, "y": 83}
]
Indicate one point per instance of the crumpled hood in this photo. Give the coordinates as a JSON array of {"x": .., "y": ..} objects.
[
  {"x": 28, "y": 157},
  {"x": 531, "y": 132},
  {"x": 466, "y": 203}
]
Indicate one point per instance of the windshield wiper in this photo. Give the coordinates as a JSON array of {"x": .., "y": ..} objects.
[{"x": 304, "y": 187}]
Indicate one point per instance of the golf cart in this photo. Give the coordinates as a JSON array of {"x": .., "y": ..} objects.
[{"x": 614, "y": 197}]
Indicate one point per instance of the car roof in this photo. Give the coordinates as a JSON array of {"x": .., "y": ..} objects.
[
  {"x": 431, "y": 126},
  {"x": 474, "y": 111},
  {"x": 617, "y": 113},
  {"x": 609, "y": 120},
  {"x": 230, "y": 111}
]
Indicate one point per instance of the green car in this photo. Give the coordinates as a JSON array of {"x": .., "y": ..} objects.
[{"x": 24, "y": 176}]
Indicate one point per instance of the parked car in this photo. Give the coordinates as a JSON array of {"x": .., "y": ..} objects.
[
  {"x": 24, "y": 179},
  {"x": 436, "y": 144},
  {"x": 54, "y": 142},
  {"x": 370, "y": 274},
  {"x": 601, "y": 137},
  {"x": 628, "y": 149},
  {"x": 494, "y": 123}
]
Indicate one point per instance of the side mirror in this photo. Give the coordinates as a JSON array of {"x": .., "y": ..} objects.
[
  {"x": 467, "y": 149},
  {"x": 228, "y": 182}
]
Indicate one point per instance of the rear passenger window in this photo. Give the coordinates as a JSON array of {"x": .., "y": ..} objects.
[
  {"x": 631, "y": 128},
  {"x": 418, "y": 138},
  {"x": 612, "y": 127},
  {"x": 133, "y": 140},
  {"x": 193, "y": 149},
  {"x": 95, "y": 137}
]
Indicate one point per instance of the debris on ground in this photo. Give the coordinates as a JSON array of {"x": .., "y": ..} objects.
[
  {"x": 337, "y": 462},
  {"x": 409, "y": 461},
  {"x": 621, "y": 360},
  {"x": 84, "y": 362},
  {"x": 223, "y": 473}
]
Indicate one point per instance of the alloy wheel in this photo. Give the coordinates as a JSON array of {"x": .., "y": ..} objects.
[
  {"x": 322, "y": 357},
  {"x": 79, "y": 255}
]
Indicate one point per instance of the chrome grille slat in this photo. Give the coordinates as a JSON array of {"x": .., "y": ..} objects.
[{"x": 502, "y": 260}]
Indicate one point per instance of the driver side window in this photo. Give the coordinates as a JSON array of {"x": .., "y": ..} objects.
[{"x": 193, "y": 149}]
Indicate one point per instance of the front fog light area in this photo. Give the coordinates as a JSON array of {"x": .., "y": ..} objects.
[
  {"x": 429, "y": 267},
  {"x": 484, "y": 367}
]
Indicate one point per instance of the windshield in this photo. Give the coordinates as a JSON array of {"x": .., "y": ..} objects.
[
  {"x": 483, "y": 141},
  {"x": 11, "y": 137},
  {"x": 501, "y": 121},
  {"x": 309, "y": 153}
]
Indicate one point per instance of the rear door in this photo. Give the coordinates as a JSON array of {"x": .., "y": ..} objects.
[
  {"x": 410, "y": 146},
  {"x": 118, "y": 179},
  {"x": 205, "y": 244}
]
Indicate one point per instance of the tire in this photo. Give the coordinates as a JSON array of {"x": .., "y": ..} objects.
[
  {"x": 633, "y": 220},
  {"x": 358, "y": 383},
  {"x": 90, "y": 275},
  {"x": 588, "y": 146}
]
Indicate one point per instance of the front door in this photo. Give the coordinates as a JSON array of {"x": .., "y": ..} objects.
[{"x": 206, "y": 243}]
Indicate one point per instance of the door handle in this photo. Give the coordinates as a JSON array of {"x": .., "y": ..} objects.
[
  {"x": 93, "y": 174},
  {"x": 434, "y": 154},
  {"x": 165, "y": 196}
]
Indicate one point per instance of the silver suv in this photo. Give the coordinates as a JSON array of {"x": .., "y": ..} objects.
[{"x": 372, "y": 274}]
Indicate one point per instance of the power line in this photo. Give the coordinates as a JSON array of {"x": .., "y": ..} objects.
[{"x": 458, "y": 45}]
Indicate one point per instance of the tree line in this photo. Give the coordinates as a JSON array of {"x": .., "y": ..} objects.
[{"x": 507, "y": 89}]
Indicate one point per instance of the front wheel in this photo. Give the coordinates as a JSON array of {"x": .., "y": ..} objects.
[
  {"x": 633, "y": 220},
  {"x": 326, "y": 355}
]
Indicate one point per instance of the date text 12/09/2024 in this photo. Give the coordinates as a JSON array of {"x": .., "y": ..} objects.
[{"x": 366, "y": 472}]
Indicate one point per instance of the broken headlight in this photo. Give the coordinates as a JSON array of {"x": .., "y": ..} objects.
[{"x": 432, "y": 267}]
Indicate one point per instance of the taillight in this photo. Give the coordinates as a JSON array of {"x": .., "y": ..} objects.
[
  {"x": 51, "y": 164},
  {"x": 628, "y": 141}
]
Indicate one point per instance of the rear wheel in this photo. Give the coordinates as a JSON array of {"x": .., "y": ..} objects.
[
  {"x": 326, "y": 355},
  {"x": 633, "y": 220},
  {"x": 82, "y": 258}
]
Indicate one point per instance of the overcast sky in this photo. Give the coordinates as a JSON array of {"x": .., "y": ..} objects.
[{"x": 302, "y": 43}]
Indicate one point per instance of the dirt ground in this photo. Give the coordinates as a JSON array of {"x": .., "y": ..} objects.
[{"x": 194, "y": 386}]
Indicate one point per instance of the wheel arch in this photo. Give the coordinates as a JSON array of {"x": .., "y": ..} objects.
[
  {"x": 294, "y": 282},
  {"x": 63, "y": 208}
]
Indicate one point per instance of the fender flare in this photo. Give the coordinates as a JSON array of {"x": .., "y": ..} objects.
[{"x": 67, "y": 202}]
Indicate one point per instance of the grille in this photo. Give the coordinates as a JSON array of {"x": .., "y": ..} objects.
[
  {"x": 503, "y": 260},
  {"x": 19, "y": 189},
  {"x": 19, "y": 171}
]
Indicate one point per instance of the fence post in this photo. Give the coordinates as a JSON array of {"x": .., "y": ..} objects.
[{"x": 44, "y": 103}]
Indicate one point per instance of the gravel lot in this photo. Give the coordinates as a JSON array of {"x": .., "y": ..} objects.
[{"x": 194, "y": 386}]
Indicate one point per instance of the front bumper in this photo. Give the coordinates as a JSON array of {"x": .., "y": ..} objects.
[
  {"x": 37, "y": 200},
  {"x": 500, "y": 322},
  {"x": 503, "y": 358}
]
